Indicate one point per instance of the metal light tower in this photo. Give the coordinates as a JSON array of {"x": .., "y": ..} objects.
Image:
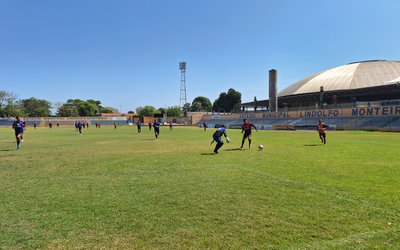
[{"x": 182, "y": 67}]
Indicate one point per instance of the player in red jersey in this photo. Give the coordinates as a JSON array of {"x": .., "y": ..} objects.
[
  {"x": 246, "y": 127},
  {"x": 321, "y": 127}
]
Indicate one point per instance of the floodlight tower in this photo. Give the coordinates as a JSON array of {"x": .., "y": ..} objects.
[{"x": 182, "y": 67}]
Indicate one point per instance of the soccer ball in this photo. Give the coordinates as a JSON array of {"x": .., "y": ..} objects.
[{"x": 260, "y": 147}]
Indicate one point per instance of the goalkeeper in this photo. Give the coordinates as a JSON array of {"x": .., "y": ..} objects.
[{"x": 217, "y": 138}]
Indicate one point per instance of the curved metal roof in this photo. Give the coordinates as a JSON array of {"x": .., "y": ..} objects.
[{"x": 355, "y": 75}]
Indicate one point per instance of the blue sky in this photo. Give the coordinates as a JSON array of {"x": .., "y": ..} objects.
[{"x": 126, "y": 53}]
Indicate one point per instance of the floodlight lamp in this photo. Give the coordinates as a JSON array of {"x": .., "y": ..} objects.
[{"x": 182, "y": 65}]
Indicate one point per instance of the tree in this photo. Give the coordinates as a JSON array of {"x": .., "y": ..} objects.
[
  {"x": 74, "y": 102},
  {"x": 146, "y": 111},
  {"x": 8, "y": 106},
  {"x": 174, "y": 111},
  {"x": 162, "y": 111},
  {"x": 201, "y": 103},
  {"x": 67, "y": 110},
  {"x": 195, "y": 107},
  {"x": 227, "y": 101},
  {"x": 78, "y": 107},
  {"x": 88, "y": 109},
  {"x": 33, "y": 107},
  {"x": 97, "y": 103},
  {"x": 108, "y": 110},
  {"x": 11, "y": 110},
  {"x": 186, "y": 108},
  {"x": 131, "y": 112},
  {"x": 218, "y": 103},
  {"x": 70, "y": 108}
]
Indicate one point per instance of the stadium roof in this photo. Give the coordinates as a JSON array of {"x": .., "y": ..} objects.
[
  {"x": 394, "y": 81},
  {"x": 352, "y": 76}
]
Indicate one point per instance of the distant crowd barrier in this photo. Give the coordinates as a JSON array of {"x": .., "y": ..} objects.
[
  {"x": 321, "y": 113},
  {"x": 62, "y": 121},
  {"x": 381, "y": 118},
  {"x": 109, "y": 120}
]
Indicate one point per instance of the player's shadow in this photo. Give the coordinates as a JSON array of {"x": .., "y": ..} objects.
[
  {"x": 234, "y": 149},
  {"x": 312, "y": 145},
  {"x": 5, "y": 150},
  {"x": 208, "y": 154},
  {"x": 150, "y": 139}
]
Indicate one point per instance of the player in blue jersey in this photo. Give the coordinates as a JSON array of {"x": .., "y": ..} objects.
[
  {"x": 139, "y": 127},
  {"x": 18, "y": 127},
  {"x": 80, "y": 125},
  {"x": 217, "y": 138},
  {"x": 156, "y": 126}
]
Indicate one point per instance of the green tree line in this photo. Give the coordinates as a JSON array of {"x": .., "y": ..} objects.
[{"x": 10, "y": 106}]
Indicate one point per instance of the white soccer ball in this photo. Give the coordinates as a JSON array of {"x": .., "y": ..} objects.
[{"x": 260, "y": 147}]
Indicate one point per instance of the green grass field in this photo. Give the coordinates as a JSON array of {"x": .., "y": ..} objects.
[{"x": 116, "y": 189}]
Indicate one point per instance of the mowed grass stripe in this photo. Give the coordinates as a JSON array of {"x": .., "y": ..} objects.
[{"x": 117, "y": 189}]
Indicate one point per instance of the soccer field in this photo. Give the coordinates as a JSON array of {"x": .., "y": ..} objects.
[{"x": 117, "y": 189}]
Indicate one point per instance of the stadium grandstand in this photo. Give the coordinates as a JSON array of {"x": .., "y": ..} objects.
[{"x": 360, "y": 95}]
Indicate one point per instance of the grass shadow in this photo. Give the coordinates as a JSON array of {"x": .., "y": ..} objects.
[
  {"x": 208, "y": 154},
  {"x": 234, "y": 149}
]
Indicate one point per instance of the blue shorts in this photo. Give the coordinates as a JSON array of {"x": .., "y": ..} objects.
[{"x": 217, "y": 139}]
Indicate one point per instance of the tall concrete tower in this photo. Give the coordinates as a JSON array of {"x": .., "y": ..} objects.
[{"x": 273, "y": 95}]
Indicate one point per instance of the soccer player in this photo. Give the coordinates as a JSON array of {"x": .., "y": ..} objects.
[
  {"x": 205, "y": 125},
  {"x": 246, "y": 127},
  {"x": 115, "y": 125},
  {"x": 170, "y": 126},
  {"x": 18, "y": 127},
  {"x": 139, "y": 127},
  {"x": 150, "y": 126},
  {"x": 80, "y": 125},
  {"x": 321, "y": 127},
  {"x": 217, "y": 138},
  {"x": 156, "y": 126}
]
